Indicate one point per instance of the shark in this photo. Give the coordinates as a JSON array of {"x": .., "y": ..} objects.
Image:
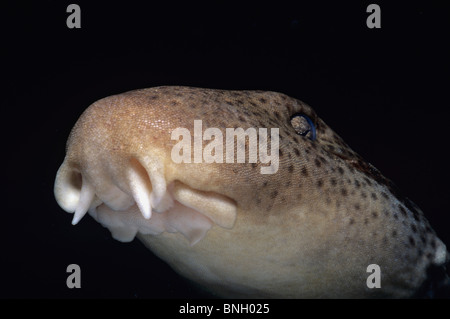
[{"x": 309, "y": 229}]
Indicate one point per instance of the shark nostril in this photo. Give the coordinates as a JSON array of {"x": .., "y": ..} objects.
[
  {"x": 67, "y": 187},
  {"x": 76, "y": 180}
]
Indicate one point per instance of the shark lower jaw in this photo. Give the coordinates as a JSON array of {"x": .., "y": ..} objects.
[{"x": 142, "y": 202}]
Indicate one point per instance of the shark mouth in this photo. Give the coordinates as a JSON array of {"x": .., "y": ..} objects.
[{"x": 135, "y": 198}]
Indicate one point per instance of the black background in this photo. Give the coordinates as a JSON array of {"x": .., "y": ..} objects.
[{"x": 385, "y": 91}]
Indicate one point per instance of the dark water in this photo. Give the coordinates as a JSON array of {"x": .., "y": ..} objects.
[{"x": 383, "y": 90}]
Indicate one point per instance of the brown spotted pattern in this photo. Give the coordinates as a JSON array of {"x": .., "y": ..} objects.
[{"x": 309, "y": 230}]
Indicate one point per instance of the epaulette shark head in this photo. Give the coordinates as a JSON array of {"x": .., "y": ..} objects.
[{"x": 247, "y": 193}]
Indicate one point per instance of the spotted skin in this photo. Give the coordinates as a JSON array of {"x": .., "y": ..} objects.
[{"x": 308, "y": 231}]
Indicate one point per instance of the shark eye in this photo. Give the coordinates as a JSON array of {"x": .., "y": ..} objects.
[{"x": 304, "y": 126}]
